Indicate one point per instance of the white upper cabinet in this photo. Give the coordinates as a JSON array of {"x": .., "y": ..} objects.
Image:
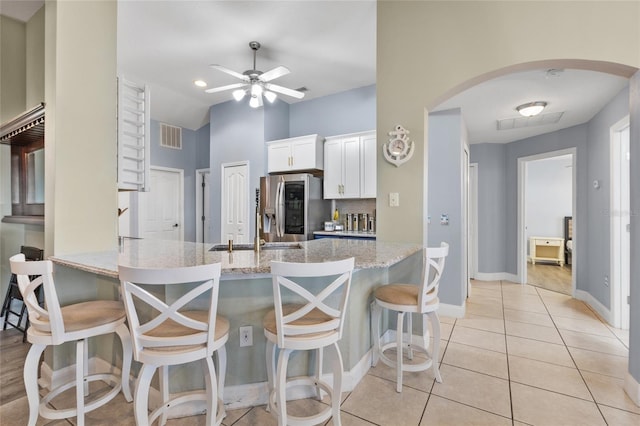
[
  {"x": 350, "y": 166},
  {"x": 368, "y": 167},
  {"x": 295, "y": 154}
]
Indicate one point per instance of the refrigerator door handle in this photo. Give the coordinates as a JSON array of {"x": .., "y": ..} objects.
[{"x": 280, "y": 209}]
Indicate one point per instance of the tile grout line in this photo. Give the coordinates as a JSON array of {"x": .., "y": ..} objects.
[
  {"x": 506, "y": 349},
  {"x": 573, "y": 359}
]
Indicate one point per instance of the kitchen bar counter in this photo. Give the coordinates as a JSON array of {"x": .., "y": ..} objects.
[
  {"x": 245, "y": 296},
  {"x": 172, "y": 254},
  {"x": 346, "y": 234}
]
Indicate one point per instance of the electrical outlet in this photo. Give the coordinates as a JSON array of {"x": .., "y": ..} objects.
[
  {"x": 246, "y": 336},
  {"x": 606, "y": 280},
  {"x": 394, "y": 199}
]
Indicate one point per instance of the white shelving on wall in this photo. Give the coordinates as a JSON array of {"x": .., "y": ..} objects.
[{"x": 133, "y": 136}]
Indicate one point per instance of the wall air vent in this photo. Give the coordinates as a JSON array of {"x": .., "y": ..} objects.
[
  {"x": 537, "y": 120},
  {"x": 170, "y": 136}
]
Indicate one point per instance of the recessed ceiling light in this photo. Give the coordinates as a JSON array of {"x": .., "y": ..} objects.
[
  {"x": 530, "y": 109},
  {"x": 200, "y": 83}
]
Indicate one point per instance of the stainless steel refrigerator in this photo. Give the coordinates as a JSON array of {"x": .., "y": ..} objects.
[{"x": 292, "y": 207}]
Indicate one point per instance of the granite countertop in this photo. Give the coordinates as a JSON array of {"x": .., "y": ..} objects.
[
  {"x": 239, "y": 263},
  {"x": 359, "y": 234}
]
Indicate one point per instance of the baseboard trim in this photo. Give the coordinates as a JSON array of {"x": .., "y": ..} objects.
[
  {"x": 496, "y": 276},
  {"x": 632, "y": 388},
  {"x": 455, "y": 311},
  {"x": 595, "y": 304}
]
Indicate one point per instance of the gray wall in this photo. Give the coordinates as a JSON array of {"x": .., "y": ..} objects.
[
  {"x": 445, "y": 197},
  {"x": 345, "y": 112},
  {"x": 276, "y": 121},
  {"x": 184, "y": 159},
  {"x": 202, "y": 147},
  {"x": 634, "y": 321},
  {"x": 492, "y": 206},
  {"x": 236, "y": 134}
]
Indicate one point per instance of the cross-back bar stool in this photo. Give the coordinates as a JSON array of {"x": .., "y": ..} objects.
[
  {"x": 411, "y": 298},
  {"x": 54, "y": 325},
  {"x": 178, "y": 332},
  {"x": 311, "y": 322},
  {"x": 13, "y": 294}
]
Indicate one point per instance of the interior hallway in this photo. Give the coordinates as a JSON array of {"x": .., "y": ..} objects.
[
  {"x": 550, "y": 276},
  {"x": 522, "y": 355}
]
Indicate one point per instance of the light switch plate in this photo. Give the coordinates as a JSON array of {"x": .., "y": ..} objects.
[{"x": 394, "y": 199}]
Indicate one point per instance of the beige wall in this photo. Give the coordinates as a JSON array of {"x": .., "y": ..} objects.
[
  {"x": 35, "y": 60},
  {"x": 80, "y": 129},
  {"x": 429, "y": 50},
  {"x": 12, "y": 68}
]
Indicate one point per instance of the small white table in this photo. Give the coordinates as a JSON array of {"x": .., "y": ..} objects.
[{"x": 546, "y": 249}]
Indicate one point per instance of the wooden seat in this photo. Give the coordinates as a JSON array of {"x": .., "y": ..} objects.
[
  {"x": 172, "y": 333},
  {"x": 411, "y": 298},
  {"x": 313, "y": 324},
  {"x": 55, "y": 325}
]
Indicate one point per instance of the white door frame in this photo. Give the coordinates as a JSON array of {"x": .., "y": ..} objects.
[
  {"x": 619, "y": 314},
  {"x": 473, "y": 220},
  {"x": 180, "y": 173},
  {"x": 522, "y": 189},
  {"x": 248, "y": 195},
  {"x": 199, "y": 205},
  {"x": 466, "y": 161}
]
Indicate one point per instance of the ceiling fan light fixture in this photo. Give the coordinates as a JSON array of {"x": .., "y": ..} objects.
[
  {"x": 256, "y": 90},
  {"x": 254, "y": 102},
  {"x": 531, "y": 109},
  {"x": 238, "y": 94},
  {"x": 270, "y": 96}
]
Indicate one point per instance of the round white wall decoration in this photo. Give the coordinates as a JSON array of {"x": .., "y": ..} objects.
[{"x": 399, "y": 148}]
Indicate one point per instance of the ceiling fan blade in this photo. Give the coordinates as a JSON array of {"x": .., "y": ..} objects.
[
  {"x": 285, "y": 91},
  {"x": 230, "y": 72},
  {"x": 274, "y": 73},
  {"x": 227, "y": 87}
]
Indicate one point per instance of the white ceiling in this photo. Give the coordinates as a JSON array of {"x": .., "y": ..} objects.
[{"x": 329, "y": 46}]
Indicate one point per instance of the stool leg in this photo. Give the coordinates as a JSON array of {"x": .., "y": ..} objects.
[
  {"x": 221, "y": 358},
  {"x": 319, "y": 362},
  {"x": 80, "y": 383},
  {"x": 410, "y": 333},
  {"x": 271, "y": 366},
  {"x": 425, "y": 334},
  {"x": 164, "y": 392},
  {"x": 435, "y": 354},
  {"x": 281, "y": 386},
  {"x": 141, "y": 400},
  {"x": 212, "y": 391},
  {"x": 30, "y": 375},
  {"x": 399, "y": 351},
  {"x": 127, "y": 354},
  {"x": 336, "y": 396},
  {"x": 376, "y": 312}
]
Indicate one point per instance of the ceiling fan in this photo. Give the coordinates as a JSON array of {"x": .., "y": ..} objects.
[{"x": 256, "y": 83}]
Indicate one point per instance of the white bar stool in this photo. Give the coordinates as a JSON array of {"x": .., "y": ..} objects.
[
  {"x": 171, "y": 334},
  {"x": 55, "y": 325},
  {"x": 314, "y": 323},
  {"x": 411, "y": 298}
]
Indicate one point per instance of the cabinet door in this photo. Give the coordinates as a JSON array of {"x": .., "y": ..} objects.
[
  {"x": 368, "y": 150},
  {"x": 279, "y": 157},
  {"x": 333, "y": 169},
  {"x": 351, "y": 167},
  {"x": 303, "y": 155}
]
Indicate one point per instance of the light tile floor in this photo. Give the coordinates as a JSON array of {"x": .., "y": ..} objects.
[{"x": 522, "y": 355}]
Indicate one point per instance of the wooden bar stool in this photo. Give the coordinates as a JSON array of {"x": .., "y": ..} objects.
[
  {"x": 166, "y": 334},
  {"x": 13, "y": 294},
  {"x": 313, "y": 324},
  {"x": 54, "y": 325},
  {"x": 411, "y": 298}
]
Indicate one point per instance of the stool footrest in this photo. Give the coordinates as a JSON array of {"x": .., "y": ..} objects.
[
  {"x": 425, "y": 365},
  {"x": 51, "y": 413},
  {"x": 320, "y": 417},
  {"x": 183, "y": 398}
]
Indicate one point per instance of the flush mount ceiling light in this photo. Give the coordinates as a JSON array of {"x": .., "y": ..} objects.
[
  {"x": 256, "y": 83},
  {"x": 531, "y": 109},
  {"x": 200, "y": 83}
]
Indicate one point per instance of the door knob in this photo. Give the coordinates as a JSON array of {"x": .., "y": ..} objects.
[{"x": 175, "y": 225}]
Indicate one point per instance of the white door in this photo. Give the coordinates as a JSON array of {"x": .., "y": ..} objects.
[
  {"x": 162, "y": 208},
  {"x": 332, "y": 169},
  {"x": 203, "y": 206},
  {"x": 235, "y": 203},
  {"x": 620, "y": 223}
]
